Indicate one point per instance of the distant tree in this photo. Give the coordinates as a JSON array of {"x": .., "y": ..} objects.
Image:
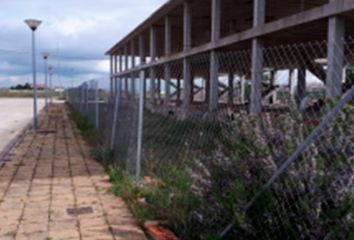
[{"x": 25, "y": 86}]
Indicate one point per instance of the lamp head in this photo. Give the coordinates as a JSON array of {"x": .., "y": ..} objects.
[
  {"x": 45, "y": 55},
  {"x": 33, "y": 24}
]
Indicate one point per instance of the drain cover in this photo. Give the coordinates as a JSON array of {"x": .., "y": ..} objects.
[
  {"x": 46, "y": 131},
  {"x": 79, "y": 211}
]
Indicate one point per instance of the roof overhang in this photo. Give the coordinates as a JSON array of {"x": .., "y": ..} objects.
[{"x": 160, "y": 13}]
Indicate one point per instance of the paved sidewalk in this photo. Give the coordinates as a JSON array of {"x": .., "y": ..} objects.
[{"x": 52, "y": 189}]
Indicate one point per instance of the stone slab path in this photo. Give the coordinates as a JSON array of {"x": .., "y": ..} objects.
[{"x": 50, "y": 188}]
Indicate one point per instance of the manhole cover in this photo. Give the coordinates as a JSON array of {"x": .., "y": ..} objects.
[
  {"x": 79, "y": 211},
  {"x": 46, "y": 131}
]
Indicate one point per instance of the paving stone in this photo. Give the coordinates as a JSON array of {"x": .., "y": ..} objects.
[{"x": 50, "y": 173}]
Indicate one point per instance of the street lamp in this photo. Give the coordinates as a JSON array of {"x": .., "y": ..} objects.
[
  {"x": 45, "y": 57},
  {"x": 33, "y": 25},
  {"x": 50, "y": 68}
]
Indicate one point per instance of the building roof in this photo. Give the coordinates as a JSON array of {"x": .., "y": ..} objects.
[
  {"x": 161, "y": 12},
  {"x": 236, "y": 18}
]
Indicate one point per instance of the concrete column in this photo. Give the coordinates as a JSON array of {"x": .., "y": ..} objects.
[
  {"x": 214, "y": 81},
  {"x": 120, "y": 69},
  {"x": 120, "y": 62},
  {"x": 168, "y": 36},
  {"x": 141, "y": 49},
  {"x": 187, "y": 83},
  {"x": 111, "y": 77},
  {"x": 115, "y": 84},
  {"x": 168, "y": 51},
  {"x": 187, "y": 43},
  {"x": 167, "y": 77},
  {"x": 214, "y": 60},
  {"x": 126, "y": 66},
  {"x": 215, "y": 20},
  {"x": 207, "y": 87},
  {"x": 132, "y": 78},
  {"x": 192, "y": 88},
  {"x": 153, "y": 44},
  {"x": 178, "y": 97},
  {"x": 301, "y": 85},
  {"x": 187, "y": 25},
  {"x": 115, "y": 64},
  {"x": 291, "y": 92},
  {"x": 258, "y": 12},
  {"x": 126, "y": 58},
  {"x": 132, "y": 83},
  {"x": 142, "y": 61},
  {"x": 273, "y": 99},
  {"x": 132, "y": 53},
  {"x": 243, "y": 89},
  {"x": 152, "y": 84},
  {"x": 257, "y": 59},
  {"x": 159, "y": 89},
  {"x": 335, "y": 56},
  {"x": 230, "y": 98}
]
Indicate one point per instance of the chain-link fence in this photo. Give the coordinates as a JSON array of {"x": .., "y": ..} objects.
[{"x": 286, "y": 173}]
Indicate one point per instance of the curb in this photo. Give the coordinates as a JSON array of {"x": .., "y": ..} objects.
[{"x": 12, "y": 144}]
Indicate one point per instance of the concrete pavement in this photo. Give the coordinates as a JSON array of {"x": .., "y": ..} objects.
[{"x": 15, "y": 114}]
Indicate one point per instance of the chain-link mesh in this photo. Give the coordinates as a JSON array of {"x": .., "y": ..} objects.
[
  {"x": 125, "y": 148},
  {"x": 224, "y": 172}
]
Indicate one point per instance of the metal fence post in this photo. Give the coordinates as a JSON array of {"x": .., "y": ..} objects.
[
  {"x": 78, "y": 97},
  {"x": 86, "y": 99},
  {"x": 74, "y": 93},
  {"x": 140, "y": 125},
  {"x": 80, "y": 89},
  {"x": 115, "y": 115},
  {"x": 97, "y": 99}
]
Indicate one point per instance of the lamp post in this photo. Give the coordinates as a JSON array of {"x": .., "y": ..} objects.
[
  {"x": 45, "y": 57},
  {"x": 50, "y": 68},
  {"x": 33, "y": 25}
]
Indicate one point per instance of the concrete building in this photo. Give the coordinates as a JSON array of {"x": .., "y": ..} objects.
[{"x": 189, "y": 41}]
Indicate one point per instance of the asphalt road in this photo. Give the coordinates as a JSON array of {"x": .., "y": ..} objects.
[{"x": 15, "y": 114}]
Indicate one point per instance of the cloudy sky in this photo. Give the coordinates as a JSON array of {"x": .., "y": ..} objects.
[{"x": 76, "y": 33}]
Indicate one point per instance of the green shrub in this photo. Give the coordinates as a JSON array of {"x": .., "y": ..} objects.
[{"x": 86, "y": 128}]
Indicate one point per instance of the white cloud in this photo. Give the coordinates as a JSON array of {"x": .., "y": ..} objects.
[
  {"x": 79, "y": 32},
  {"x": 74, "y": 26},
  {"x": 4, "y": 66}
]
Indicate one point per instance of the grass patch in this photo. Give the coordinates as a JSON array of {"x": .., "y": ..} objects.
[
  {"x": 27, "y": 94},
  {"x": 169, "y": 199},
  {"x": 86, "y": 128}
]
